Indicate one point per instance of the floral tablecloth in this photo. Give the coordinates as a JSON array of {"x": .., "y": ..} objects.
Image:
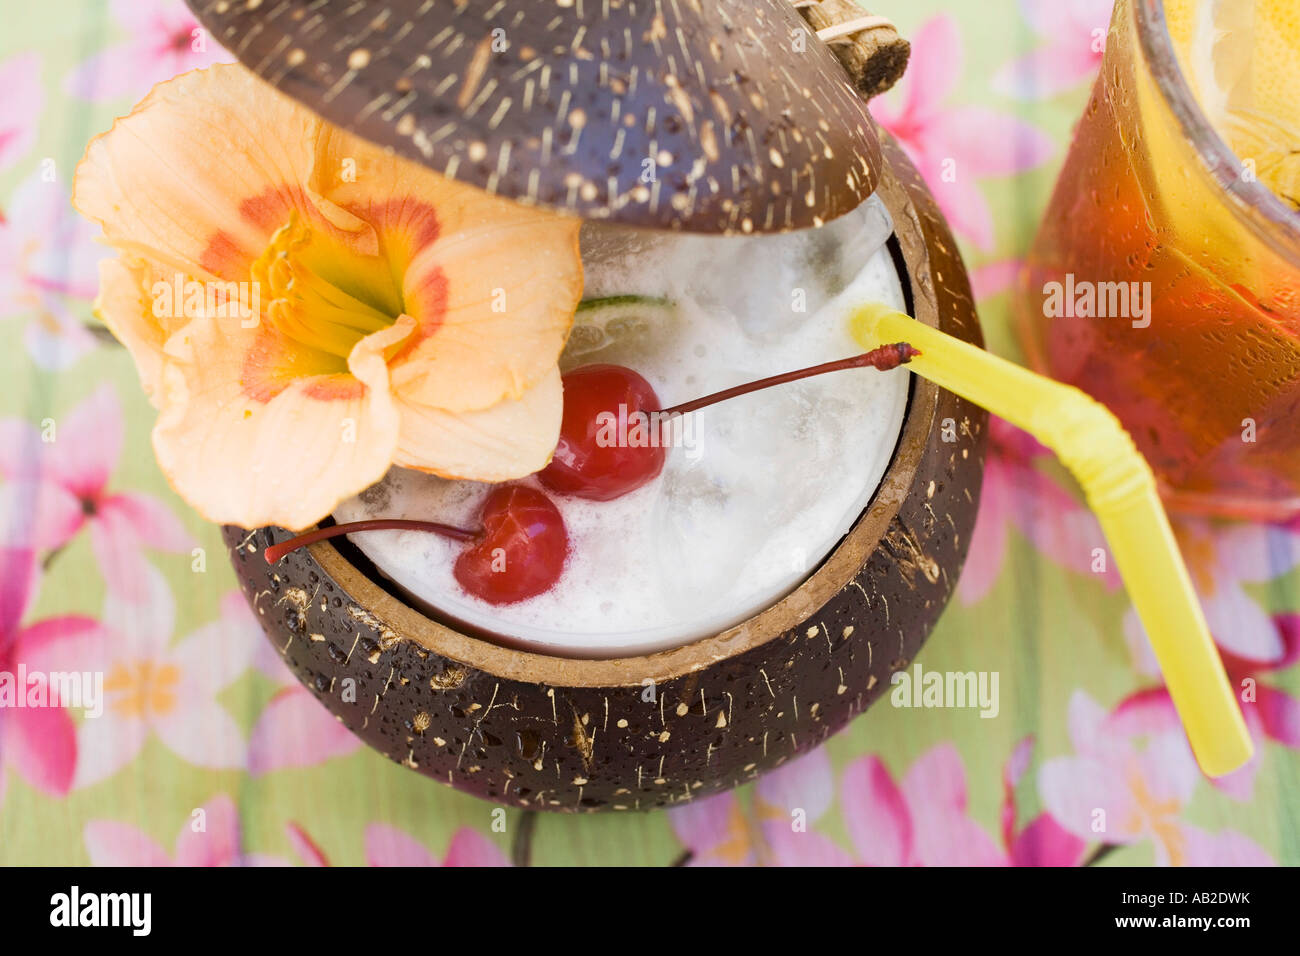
[{"x": 101, "y": 566}]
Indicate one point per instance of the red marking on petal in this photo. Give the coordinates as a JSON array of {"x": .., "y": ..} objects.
[
  {"x": 427, "y": 304},
  {"x": 270, "y": 210},
  {"x": 414, "y": 221},
  {"x": 223, "y": 257},
  {"x": 272, "y": 364},
  {"x": 267, "y": 211},
  {"x": 407, "y": 226},
  {"x": 333, "y": 388}
]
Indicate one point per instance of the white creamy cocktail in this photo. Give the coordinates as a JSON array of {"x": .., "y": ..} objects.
[{"x": 755, "y": 491}]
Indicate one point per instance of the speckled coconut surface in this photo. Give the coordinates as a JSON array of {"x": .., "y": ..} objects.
[{"x": 718, "y": 116}]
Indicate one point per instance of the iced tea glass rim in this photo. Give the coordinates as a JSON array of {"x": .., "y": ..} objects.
[{"x": 1273, "y": 221}]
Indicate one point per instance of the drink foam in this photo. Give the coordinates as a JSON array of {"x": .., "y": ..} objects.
[{"x": 761, "y": 487}]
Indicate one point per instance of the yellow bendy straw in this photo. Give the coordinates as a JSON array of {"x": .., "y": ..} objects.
[{"x": 1121, "y": 491}]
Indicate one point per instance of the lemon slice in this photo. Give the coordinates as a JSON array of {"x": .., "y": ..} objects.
[{"x": 1242, "y": 60}]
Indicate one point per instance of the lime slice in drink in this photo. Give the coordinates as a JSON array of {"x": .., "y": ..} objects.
[{"x": 617, "y": 320}]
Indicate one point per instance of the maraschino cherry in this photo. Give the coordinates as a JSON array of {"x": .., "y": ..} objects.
[
  {"x": 607, "y": 444},
  {"x": 610, "y": 434},
  {"x": 522, "y": 549},
  {"x": 519, "y": 553}
]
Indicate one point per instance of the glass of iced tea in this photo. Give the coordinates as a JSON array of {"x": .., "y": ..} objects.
[{"x": 1165, "y": 276}]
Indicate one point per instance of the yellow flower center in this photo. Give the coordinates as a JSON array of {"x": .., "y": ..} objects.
[
  {"x": 320, "y": 293},
  {"x": 141, "y": 688}
]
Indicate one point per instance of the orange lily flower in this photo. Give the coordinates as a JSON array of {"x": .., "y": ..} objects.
[{"x": 306, "y": 309}]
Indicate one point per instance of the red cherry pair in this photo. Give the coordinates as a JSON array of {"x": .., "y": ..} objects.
[{"x": 609, "y": 445}]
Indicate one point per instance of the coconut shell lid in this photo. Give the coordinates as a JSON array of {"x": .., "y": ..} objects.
[{"x": 703, "y": 115}]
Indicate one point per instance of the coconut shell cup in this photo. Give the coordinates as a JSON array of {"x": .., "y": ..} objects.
[
  {"x": 725, "y": 117},
  {"x": 634, "y": 733}
]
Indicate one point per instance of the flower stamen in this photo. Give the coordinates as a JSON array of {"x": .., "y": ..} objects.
[{"x": 306, "y": 305}]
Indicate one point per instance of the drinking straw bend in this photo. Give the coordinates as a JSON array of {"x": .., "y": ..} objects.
[{"x": 1121, "y": 490}]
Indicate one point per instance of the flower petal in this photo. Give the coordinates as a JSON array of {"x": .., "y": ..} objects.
[
  {"x": 125, "y": 306},
  {"x": 935, "y": 66},
  {"x": 936, "y": 780},
  {"x": 141, "y": 629},
  {"x": 304, "y": 846},
  {"x": 105, "y": 745},
  {"x": 241, "y": 457},
  {"x": 87, "y": 443},
  {"x": 55, "y": 337},
  {"x": 994, "y": 278},
  {"x": 217, "y": 844},
  {"x": 988, "y": 543},
  {"x": 1279, "y": 714},
  {"x": 470, "y": 848},
  {"x": 1045, "y": 843},
  {"x": 20, "y": 110},
  {"x": 294, "y": 730},
  {"x": 934, "y": 790},
  {"x": 200, "y": 732},
  {"x": 1255, "y": 552},
  {"x": 1240, "y": 626},
  {"x": 1075, "y": 789},
  {"x": 153, "y": 54},
  {"x": 73, "y": 642},
  {"x": 964, "y": 206},
  {"x": 1021, "y": 756},
  {"x": 1049, "y": 70},
  {"x": 121, "y": 559},
  {"x": 41, "y": 744},
  {"x": 875, "y": 814},
  {"x": 389, "y": 846},
  {"x": 1225, "y": 848},
  {"x": 1056, "y": 523},
  {"x": 509, "y": 440},
  {"x": 1086, "y": 721},
  {"x": 53, "y": 249},
  {"x": 38, "y": 516},
  {"x": 213, "y": 657},
  {"x": 1168, "y": 769},
  {"x": 164, "y": 188},
  {"x": 154, "y": 523},
  {"x": 158, "y": 19},
  {"x": 804, "y": 848},
  {"x": 111, "y": 843},
  {"x": 806, "y": 783},
  {"x": 19, "y": 574},
  {"x": 21, "y": 450},
  {"x": 1144, "y": 713},
  {"x": 702, "y": 823},
  {"x": 985, "y": 142}
]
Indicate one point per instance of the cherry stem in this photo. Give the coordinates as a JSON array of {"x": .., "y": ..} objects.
[
  {"x": 883, "y": 358},
  {"x": 277, "y": 551}
]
